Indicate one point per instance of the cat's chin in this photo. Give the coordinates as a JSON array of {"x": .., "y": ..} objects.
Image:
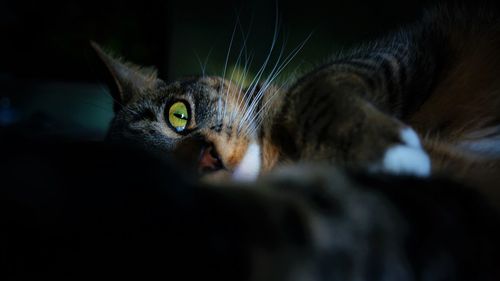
[
  {"x": 247, "y": 170},
  {"x": 249, "y": 167},
  {"x": 219, "y": 176}
]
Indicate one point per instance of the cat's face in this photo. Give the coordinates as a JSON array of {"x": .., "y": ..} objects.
[
  {"x": 206, "y": 124},
  {"x": 195, "y": 122}
]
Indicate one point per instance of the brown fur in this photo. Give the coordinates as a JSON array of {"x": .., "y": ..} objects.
[
  {"x": 482, "y": 173},
  {"x": 464, "y": 102},
  {"x": 468, "y": 96},
  {"x": 350, "y": 111}
]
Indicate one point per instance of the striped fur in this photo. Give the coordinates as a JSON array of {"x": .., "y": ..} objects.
[{"x": 438, "y": 76}]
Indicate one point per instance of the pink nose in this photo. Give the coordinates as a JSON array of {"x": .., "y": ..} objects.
[{"x": 209, "y": 160}]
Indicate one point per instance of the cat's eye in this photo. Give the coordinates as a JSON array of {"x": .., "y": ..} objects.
[{"x": 178, "y": 116}]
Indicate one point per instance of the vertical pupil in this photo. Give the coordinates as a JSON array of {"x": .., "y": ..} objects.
[{"x": 180, "y": 115}]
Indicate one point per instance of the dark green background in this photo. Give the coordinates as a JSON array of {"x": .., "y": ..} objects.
[{"x": 50, "y": 80}]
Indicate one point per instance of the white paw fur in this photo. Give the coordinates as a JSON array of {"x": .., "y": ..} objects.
[
  {"x": 408, "y": 158},
  {"x": 249, "y": 167}
]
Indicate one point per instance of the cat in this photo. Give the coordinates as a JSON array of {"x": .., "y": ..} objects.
[
  {"x": 422, "y": 101},
  {"x": 382, "y": 212}
]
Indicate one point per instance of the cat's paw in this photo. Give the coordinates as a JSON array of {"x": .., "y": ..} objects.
[{"x": 407, "y": 158}]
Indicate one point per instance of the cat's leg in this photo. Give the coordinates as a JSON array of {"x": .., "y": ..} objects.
[
  {"x": 439, "y": 76},
  {"x": 326, "y": 118},
  {"x": 406, "y": 158}
]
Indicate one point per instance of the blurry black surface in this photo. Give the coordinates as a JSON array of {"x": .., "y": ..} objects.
[
  {"x": 73, "y": 210},
  {"x": 76, "y": 210}
]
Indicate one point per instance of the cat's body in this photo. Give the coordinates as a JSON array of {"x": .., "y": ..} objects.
[
  {"x": 438, "y": 76},
  {"x": 424, "y": 100}
]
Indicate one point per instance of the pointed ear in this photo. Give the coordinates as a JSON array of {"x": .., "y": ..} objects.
[{"x": 130, "y": 80}]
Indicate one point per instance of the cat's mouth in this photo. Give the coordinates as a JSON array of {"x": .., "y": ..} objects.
[
  {"x": 211, "y": 164},
  {"x": 209, "y": 160}
]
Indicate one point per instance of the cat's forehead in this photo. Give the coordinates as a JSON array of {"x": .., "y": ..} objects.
[{"x": 199, "y": 86}]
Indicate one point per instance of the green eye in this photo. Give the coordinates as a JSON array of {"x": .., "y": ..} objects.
[{"x": 178, "y": 116}]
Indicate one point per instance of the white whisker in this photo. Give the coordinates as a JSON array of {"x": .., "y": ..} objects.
[
  {"x": 225, "y": 68},
  {"x": 245, "y": 68},
  {"x": 237, "y": 66},
  {"x": 239, "y": 98},
  {"x": 200, "y": 63},
  {"x": 288, "y": 59},
  {"x": 205, "y": 62},
  {"x": 268, "y": 82},
  {"x": 268, "y": 102},
  {"x": 255, "y": 81}
]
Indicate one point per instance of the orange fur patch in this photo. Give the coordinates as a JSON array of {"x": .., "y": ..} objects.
[{"x": 468, "y": 96}]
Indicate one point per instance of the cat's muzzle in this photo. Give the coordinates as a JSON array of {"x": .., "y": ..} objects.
[{"x": 209, "y": 160}]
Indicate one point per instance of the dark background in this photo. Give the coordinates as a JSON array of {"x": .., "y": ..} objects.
[{"x": 48, "y": 73}]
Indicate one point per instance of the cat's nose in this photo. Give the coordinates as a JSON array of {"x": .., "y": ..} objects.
[{"x": 209, "y": 160}]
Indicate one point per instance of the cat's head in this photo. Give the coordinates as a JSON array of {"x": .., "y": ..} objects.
[{"x": 207, "y": 124}]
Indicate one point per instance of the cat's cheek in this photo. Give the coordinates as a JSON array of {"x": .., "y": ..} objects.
[{"x": 408, "y": 158}]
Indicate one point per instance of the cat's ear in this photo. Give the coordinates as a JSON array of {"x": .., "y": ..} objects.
[{"x": 129, "y": 79}]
